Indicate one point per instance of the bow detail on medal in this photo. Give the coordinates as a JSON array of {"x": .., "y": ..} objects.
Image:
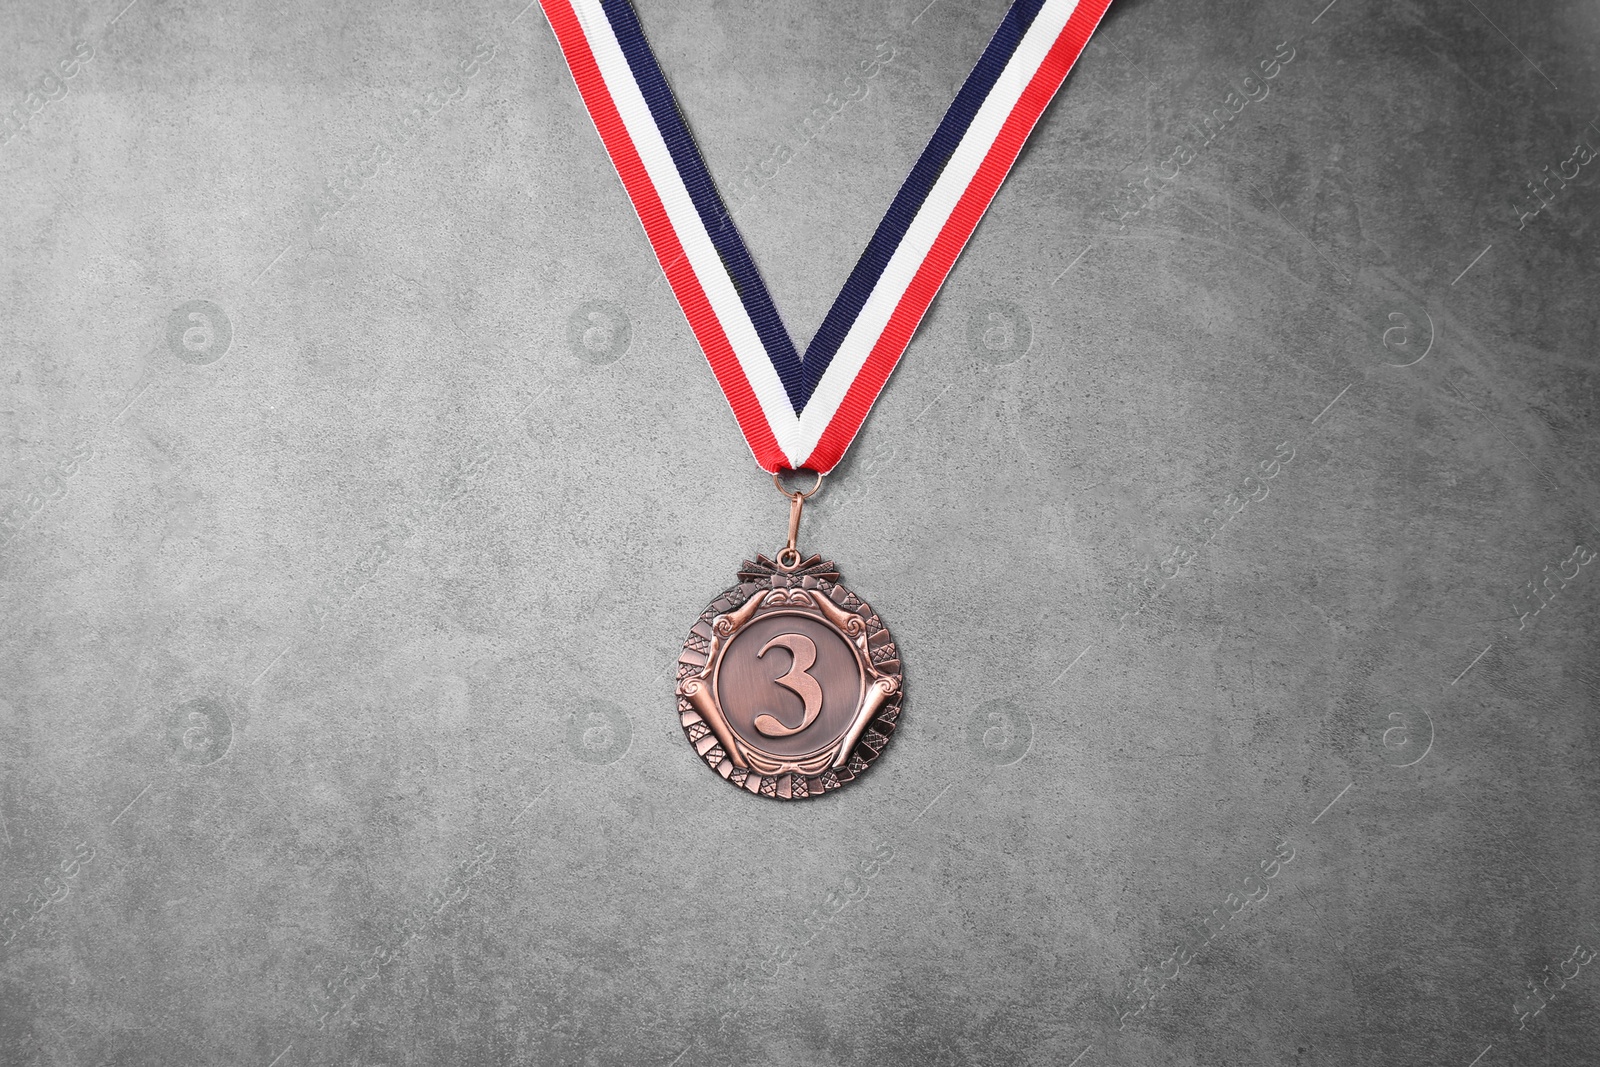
[{"x": 798, "y": 412}]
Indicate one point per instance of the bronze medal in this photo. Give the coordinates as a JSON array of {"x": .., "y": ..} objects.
[{"x": 789, "y": 684}]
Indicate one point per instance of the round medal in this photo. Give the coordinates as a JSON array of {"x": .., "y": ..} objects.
[{"x": 789, "y": 684}]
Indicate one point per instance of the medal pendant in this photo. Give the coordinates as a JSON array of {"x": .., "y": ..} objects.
[{"x": 789, "y": 684}]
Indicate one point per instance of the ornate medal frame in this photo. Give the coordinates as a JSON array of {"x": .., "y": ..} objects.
[{"x": 809, "y": 588}]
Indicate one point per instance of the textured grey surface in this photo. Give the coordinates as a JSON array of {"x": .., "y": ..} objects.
[{"x": 335, "y": 709}]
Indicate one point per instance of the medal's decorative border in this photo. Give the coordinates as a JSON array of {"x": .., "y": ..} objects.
[{"x": 722, "y": 618}]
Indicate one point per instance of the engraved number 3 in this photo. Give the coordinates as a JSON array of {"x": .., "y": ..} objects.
[{"x": 804, "y": 651}]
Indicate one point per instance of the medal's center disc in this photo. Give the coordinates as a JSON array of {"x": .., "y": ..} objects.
[{"x": 783, "y": 669}]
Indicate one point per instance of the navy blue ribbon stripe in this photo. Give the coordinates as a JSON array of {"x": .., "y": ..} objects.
[
  {"x": 800, "y": 377},
  {"x": 918, "y": 184},
  {"x": 718, "y": 223}
]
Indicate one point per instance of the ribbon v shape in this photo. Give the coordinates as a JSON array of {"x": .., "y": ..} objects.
[{"x": 798, "y": 412}]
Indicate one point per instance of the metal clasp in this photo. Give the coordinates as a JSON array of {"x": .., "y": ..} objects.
[{"x": 789, "y": 556}]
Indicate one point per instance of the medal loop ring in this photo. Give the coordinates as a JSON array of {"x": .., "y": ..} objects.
[
  {"x": 789, "y": 555},
  {"x": 791, "y": 494}
]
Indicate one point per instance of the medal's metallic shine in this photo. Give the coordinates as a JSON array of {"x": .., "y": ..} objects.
[{"x": 789, "y": 684}]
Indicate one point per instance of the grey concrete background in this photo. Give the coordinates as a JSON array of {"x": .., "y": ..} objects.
[{"x": 350, "y": 538}]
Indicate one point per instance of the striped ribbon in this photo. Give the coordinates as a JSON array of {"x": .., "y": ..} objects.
[{"x": 803, "y": 412}]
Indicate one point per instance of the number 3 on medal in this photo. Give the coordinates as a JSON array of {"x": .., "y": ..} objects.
[{"x": 804, "y": 651}]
